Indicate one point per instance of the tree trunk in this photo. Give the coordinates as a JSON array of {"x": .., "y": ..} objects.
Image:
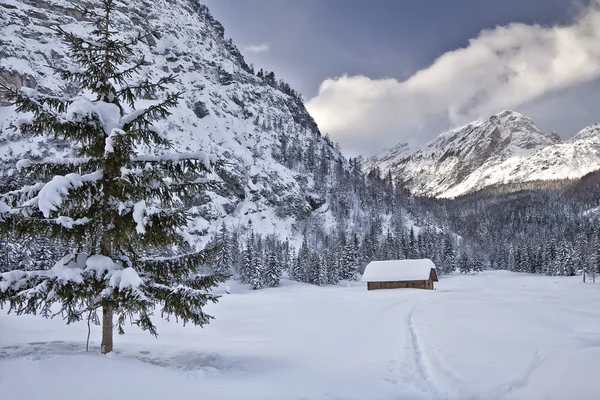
[
  {"x": 107, "y": 309},
  {"x": 107, "y": 329}
]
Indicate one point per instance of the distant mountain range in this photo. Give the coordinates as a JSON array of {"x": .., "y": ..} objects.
[{"x": 506, "y": 149}]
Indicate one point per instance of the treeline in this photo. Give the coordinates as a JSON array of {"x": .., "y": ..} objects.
[
  {"x": 356, "y": 218},
  {"x": 551, "y": 231},
  {"x": 261, "y": 260},
  {"x": 268, "y": 77}
]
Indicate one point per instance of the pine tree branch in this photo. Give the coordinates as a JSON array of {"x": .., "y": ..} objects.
[
  {"x": 168, "y": 270},
  {"x": 145, "y": 89},
  {"x": 141, "y": 120},
  {"x": 29, "y": 100},
  {"x": 47, "y": 168}
]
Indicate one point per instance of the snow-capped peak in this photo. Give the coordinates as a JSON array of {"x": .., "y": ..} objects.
[{"x": 505, "y": 148}]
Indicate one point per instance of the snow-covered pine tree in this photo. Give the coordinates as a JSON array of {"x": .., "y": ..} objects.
[
  {"x": 247, "y": 260},
  {"x": 350, "y": 260},
  {"x": 286, "y": 256},
  {"x": 448, "y": 256},
  {"x": 300, "y": 266},
  {"x": 223, "y": 259},
  {"x": 464, "y": 263},
  {"x": 332, "y": 264},
  {"x": 321, "y": 271},
  {"x": 115, "y": 208},
  {"x": 236, "y": 254},
  {"x": 256, "y": 271},
  {"x": 272, "y": 270},
  {"x": 478, "y": 262},
  {"x": 296, "y": 270},
  {"x": 257, "y": 266}
]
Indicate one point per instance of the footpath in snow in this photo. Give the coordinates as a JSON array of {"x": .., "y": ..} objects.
[{"x": 496, "y": 335}]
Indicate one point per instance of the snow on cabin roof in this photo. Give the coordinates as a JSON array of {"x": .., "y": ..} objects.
[{"x": 398, "y": 270}]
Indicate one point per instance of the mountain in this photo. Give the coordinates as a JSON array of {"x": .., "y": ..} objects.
[
  {"x": 256, "y": 124},
  {"x": 387, "y": 158},
  {"x": 505, "y": 149}
]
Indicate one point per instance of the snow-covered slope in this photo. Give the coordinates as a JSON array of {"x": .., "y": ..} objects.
[
  {"x": 227, "y": 110},
  {"x": 505, "y": 149},
  {"x": 387, "y": 158}
]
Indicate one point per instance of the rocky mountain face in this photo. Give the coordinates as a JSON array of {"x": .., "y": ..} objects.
[
  {"x": 256, "y": 124},
  {"x": 506, "y": 149}
]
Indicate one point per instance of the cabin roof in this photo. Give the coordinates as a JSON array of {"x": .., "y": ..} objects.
[{"x": 399, "y": 270}]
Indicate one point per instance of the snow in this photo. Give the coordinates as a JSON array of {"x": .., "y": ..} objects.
[
  {"x": 69, "y": 222},
  {"x": 24, "y": 163},
  {"x": 398, "y": 270},
  {"x": 108, "y": 113},
  {"x": 125, "y": 119},
  {"x": 100, "y": 264},
  {"x": 108, "y": 142},
  {"x": 496, "y": 335},
  {"x": 139, "y": 216},
  {"x": 127, "y": 278},
  {"x": 50, "y": 196},
  {"x": 5, "y": 208}
]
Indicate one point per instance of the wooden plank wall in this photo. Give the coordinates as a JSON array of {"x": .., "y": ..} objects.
[{"x": 400, "y": 285}]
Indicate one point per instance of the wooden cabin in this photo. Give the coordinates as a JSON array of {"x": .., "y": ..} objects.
[{"x": 398, "y": 274}]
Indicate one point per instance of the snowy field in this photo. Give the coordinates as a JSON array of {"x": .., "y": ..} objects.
[{"x": 496, "y": 335}]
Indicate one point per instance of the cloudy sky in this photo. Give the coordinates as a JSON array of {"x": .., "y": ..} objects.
[{"x": 379, "y": 72}]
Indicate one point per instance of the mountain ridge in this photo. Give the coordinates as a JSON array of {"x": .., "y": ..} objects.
[{"x": 507, "y": 148}]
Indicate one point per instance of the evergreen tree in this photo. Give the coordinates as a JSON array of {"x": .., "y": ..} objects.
[
  {"x": 236, "y": 254},
  {"x": 223, "y": 257},
  {"x": 478, "y": 262},
  {"x": 321, "y": 272},
  {"x": 256, "y": 272},
  {"x": 350, "y": 260},
  {"x": 272, "y": 270},
  {"x": 113, "y": 207},
  {"x": 301, "y": 265},
  {"x": 247, "y": 260},
  {"x": 286, "y": 256},
  {"x": 448, "y": 257},
  {"x": 464, "y": 263}
]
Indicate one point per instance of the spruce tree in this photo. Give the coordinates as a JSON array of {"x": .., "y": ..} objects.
[
  {"x": 464, "y": 263},
  {"x": 350, "y": 260},
  {"x": 321, "y": 272},
  {"x": 223, "y": 259},
  {"x": 114, "y": 207},
  {"x": 257, "y": 266},
  {"x": 301, "y": 265},
  {"x": 256, "y": 272},
  {"x": 272, "y": 270},
  {"x": 448, "y": 257},
  {"x": 478, "y": 263},
  {"x": 247, "y": 260}
]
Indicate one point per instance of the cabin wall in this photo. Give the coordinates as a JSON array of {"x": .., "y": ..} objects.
[{"x": 400, "y": 285}]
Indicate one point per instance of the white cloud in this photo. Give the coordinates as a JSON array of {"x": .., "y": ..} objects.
[
  {"x": 257, "y": 48},
  {"x": 505, "y": 67}
]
